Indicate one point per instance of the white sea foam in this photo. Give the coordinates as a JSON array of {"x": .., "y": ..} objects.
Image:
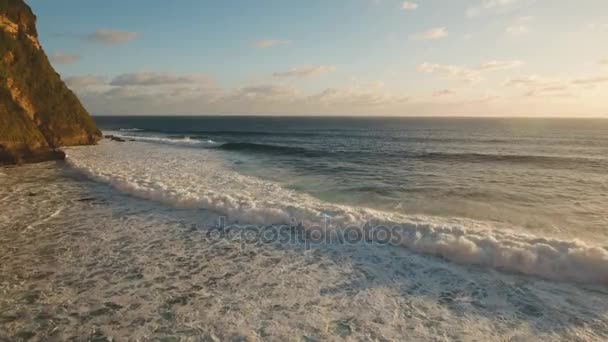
[
  {"x": 199, "y": 178},
  {"x": 131, "y": 129},
  {"x": 183, "y": 141}
]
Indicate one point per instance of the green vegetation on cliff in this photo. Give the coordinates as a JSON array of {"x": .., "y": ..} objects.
[{"x": 37, "y": 111}]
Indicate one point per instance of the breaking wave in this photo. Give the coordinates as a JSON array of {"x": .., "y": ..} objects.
[
  {"x": 552, "y": 161},
  {"x": 131, "y": 130},
  {"x": 170, "y": 140},
  {"x": 541, "y": 160},
  {"x": 199, "y": 178}
]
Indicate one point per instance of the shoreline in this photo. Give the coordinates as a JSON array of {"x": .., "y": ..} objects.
[
  {"x": 206, "y": 182},
  {"x": 133, "y": 268}
]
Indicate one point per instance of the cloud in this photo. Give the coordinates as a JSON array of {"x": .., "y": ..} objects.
[
  {"x": 123, "y": 93},
  {"x": 77, "y": 82},
  {"x": 498, "y": 65},
  {"x": 538, "y": 86},
  {"x": 464, "y": 73},
  {"x": 551, "y": 91},
  {"x": 409, "y": 6},
  {"x": 305, "y": 71},
  {"x": 137, "y": 96},
  {"x": 156, "y": 79},
  {"x": 531, "y": 80},
  {"x": 268, "y": 43},
  {"x": 591, "y": 81},
  {"x": 357, "y": 94},
  {"x": 443, "y": 92},
  {"x": 604, "y": 61},
  {"x": 112, "y": 37},
  {"x": 432, "y": 34},
  {"x": 450, "y": 71},
  {"x": 64, "y": 58},
  {"x": 264, "y": 92},
  {"x": 350, "y": 96},
  {"x": 493, "y": 6}
]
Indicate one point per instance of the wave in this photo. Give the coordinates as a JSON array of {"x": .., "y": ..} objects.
[
  {"x": 176, "y": 140},
  {"x": 131, "y": 130},
  {"x": 544, "y": 160},
  {"x": 268, "y": 149},
  {"x": 557, "y": 162},
  {"x": 200, "y": 179}
]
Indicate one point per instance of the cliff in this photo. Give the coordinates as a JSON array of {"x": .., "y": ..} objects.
[{"x": 38, "y": 113}]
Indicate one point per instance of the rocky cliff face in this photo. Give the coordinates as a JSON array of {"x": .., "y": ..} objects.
[{"x": 38, "y": 113}]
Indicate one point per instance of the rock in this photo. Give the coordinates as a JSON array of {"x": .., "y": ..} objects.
[
  {"x": 114, "y": 138},
  {"x": 38, "y": 113},
  {"x": 23, "y": 154}
]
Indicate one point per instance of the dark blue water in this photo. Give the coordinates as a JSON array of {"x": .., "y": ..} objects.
[{"x": 545, "y": 174}]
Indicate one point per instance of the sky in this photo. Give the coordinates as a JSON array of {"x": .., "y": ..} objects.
[{"x": 331, "y": 57}]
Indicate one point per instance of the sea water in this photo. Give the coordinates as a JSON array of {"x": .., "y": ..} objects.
[{"x": 501, "y": 222}]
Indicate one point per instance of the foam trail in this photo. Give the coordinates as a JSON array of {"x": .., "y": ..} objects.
[
  {"x": 183, "y": 141},
  {"x": 131, "y": 129},
  {"x": 200, "y": 179}
]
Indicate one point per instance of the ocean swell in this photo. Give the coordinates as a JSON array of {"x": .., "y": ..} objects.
[
  {"x": 192, "y": 178},
  {"x": 268, "y": 149},
  {"x": 545, "y": 160},
  {"x": 170, "y": 140}
]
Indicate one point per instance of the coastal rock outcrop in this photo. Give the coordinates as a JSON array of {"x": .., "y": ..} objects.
[{"x": 38, "y": 113}]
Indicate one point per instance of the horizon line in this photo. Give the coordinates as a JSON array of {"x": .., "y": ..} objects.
[{"x": 354, "y": 116}]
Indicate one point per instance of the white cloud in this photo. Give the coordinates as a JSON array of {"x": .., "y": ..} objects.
[
  {"x": 464, "y": 73},
  {"x": 493, "y": 6},
  {"x": 443, "y": 92},
  {"x": 538, "y": 86},
  {"x": 604, "y": 61},
  {"x": 357, "y": 94},
  {"x": 432, "y": 34},
  {"x": 305, "y": 71},
  {"x": 591, "y": 80},
  {"x": 82, "y": 81},
  {"x": 112, "y": 37},
  {"x": 450, "y": 71},
  {"x": 551, "y": 91},
  {"x": 531, "y": 80},
  {"x": 157, "y": 79},
  {"x": 137, "y": 96},
  {"x": 265, "y": 92},
  {"x": 268, "y": 43},
  {"x": 64, "y": 58},
  {"x": 409, "y": 6},
  {"x": 498, "y": 65}
]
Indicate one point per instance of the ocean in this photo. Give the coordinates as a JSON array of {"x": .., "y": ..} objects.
[
  {"x": 544, "y": 175},
  {"x": 501, "y": 180},
  {"x": 498, "y": 226}
]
